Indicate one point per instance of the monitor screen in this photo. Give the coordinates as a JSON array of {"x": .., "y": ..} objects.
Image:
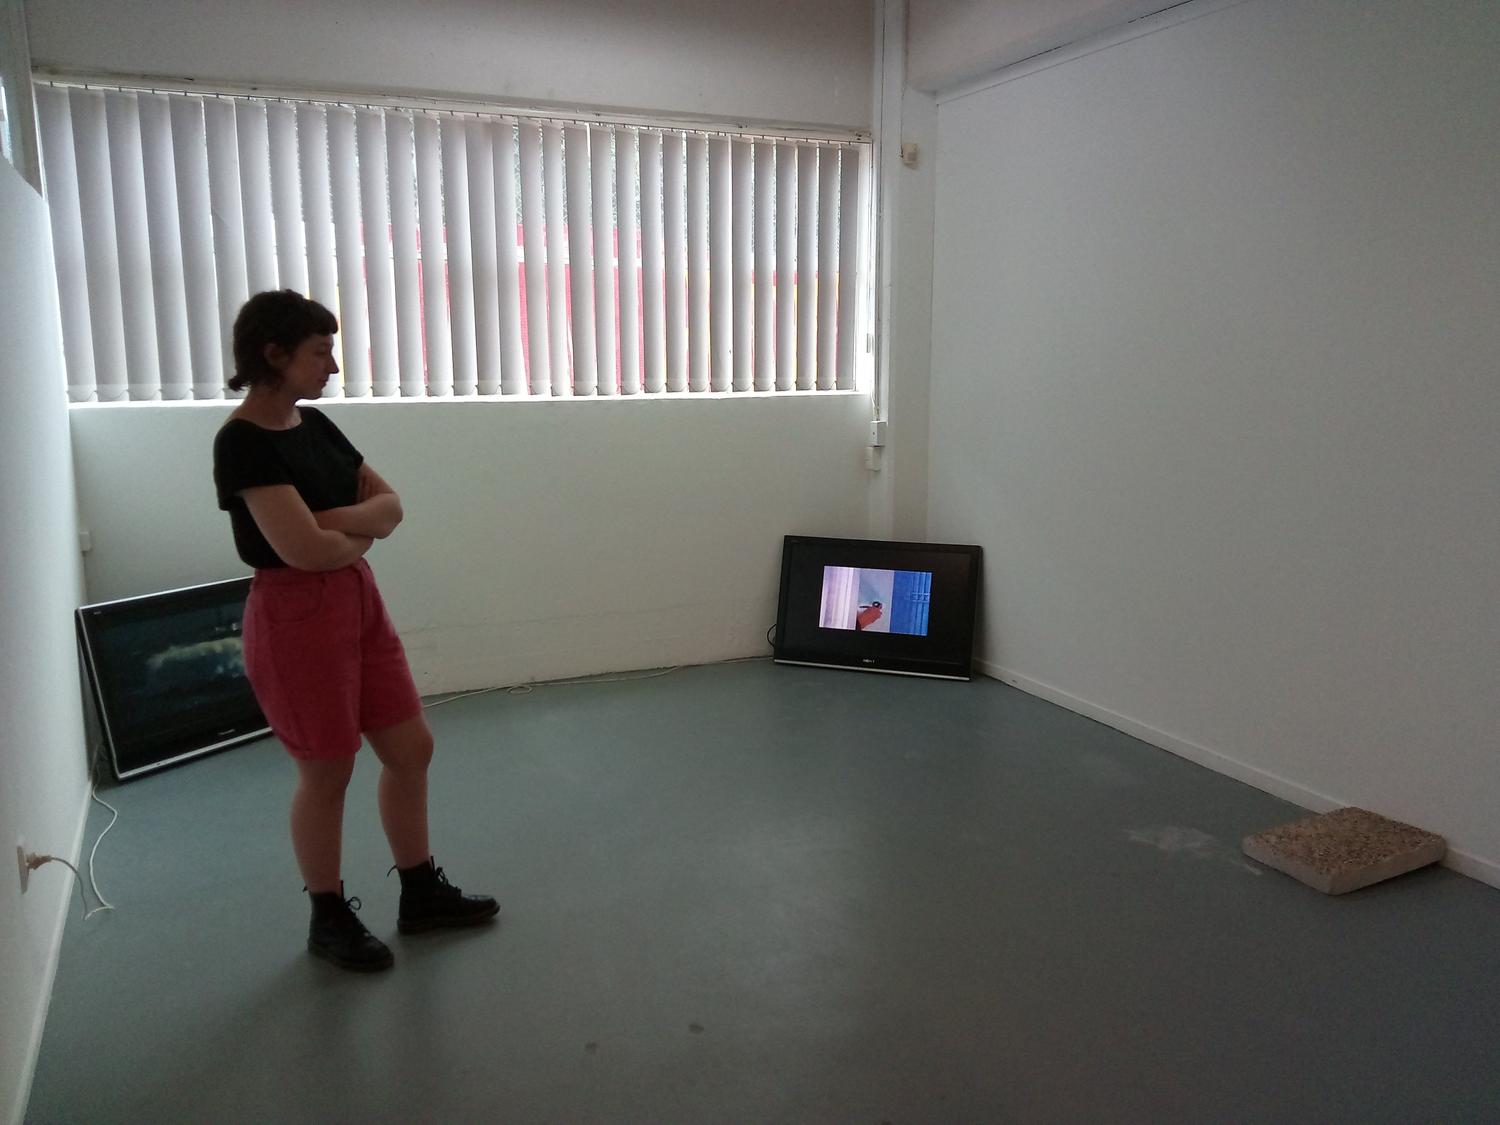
[
  {"x": 168, "y": 674},
  {"x": 875, "y": 601},
  {"x": 878, "y": 606}
]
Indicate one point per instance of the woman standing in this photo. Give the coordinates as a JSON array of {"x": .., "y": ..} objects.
[{"x": 320, "y": 651}]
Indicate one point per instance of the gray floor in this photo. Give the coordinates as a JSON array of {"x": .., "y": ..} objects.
[{"x": 768, "y": 894}]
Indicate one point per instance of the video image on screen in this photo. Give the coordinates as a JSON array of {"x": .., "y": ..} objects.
[
  {"x": 875, "y": 601},
  {"x": 174, "y": 666}
]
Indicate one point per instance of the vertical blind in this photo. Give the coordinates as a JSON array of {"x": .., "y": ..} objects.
[{"x": 463, "y": 253}]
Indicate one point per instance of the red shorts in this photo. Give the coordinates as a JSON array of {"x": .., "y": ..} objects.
[{"x": 324, "y": 659}]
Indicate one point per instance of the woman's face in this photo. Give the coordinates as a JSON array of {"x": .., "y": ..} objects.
[{"x": 309, "y": 366}]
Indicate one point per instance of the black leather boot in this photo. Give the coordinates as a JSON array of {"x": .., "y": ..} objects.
[
  {"x": 429, "y": 901},
  {"x": 336, "y": 935}
]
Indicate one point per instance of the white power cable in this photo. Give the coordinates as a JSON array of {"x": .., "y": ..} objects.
[
  {"x": 103, "y": 903},
  {"x": 35, "y": 860}
]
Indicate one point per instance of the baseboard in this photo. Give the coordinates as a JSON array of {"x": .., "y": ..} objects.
[
  {"x": 462, "y": 658},
  {"x": 1465, "y": 863},
  {"x": 49, "y": 972},
  {"x": 1475, "y": 867}
]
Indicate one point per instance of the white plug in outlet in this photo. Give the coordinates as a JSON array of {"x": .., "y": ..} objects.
[{"x": 22, "y": 864}]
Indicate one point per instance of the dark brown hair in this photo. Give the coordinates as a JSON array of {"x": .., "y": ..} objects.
[{"x": 279, "y": 316}]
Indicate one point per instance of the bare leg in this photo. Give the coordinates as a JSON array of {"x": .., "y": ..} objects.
[
  {"x": 404, "y": 751},
  {"x": 318, "y": 820}
]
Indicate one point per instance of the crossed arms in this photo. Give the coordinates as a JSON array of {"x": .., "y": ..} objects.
[{"x": 332, "y": 538}]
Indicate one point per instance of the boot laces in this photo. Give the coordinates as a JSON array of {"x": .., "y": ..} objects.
[
  {"x": 352, "y": 903},
  {"x": 347, "y": 920},
  {"x": 439, "y": 885},
  {"x": 342, "y": 918}
]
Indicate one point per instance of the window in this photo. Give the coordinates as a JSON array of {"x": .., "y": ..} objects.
[
  {"x": 7, "y": 149},
  {"x": 464, "y": 253},
  {"x": 17, "y": 134}
]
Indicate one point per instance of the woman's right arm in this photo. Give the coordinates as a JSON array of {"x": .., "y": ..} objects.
[{"x": 290, "y": 527}]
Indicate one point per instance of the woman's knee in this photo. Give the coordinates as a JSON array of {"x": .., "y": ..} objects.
[{"x": 405, "y": 747}]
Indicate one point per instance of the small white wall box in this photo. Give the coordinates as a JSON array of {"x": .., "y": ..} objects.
[
  {"x": 168, "y": 674},
  {"x": 1344, "y": 850}
]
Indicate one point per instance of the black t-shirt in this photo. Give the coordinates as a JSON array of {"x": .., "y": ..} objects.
[{"x": 314, "y": 457}]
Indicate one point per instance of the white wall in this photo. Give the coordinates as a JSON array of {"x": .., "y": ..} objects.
[
  {"x": 782, "y": 60},
  {"x": 542, "y": 538},
  {"x": 43, "y": 774},
  {"x": 1215, "y": 383}
]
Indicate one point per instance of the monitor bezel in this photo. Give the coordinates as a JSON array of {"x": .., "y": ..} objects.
[
  {"x": 91, "y": 619},
  {"x": 954, "y": 662}
]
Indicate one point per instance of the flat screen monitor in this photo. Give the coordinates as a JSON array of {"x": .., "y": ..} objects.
[
  {"x": 877, "y": 606},
  {"x": 168, "y": 675}
]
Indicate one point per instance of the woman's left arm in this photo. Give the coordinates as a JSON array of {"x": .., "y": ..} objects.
[{"x": 376, "y": 513}]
